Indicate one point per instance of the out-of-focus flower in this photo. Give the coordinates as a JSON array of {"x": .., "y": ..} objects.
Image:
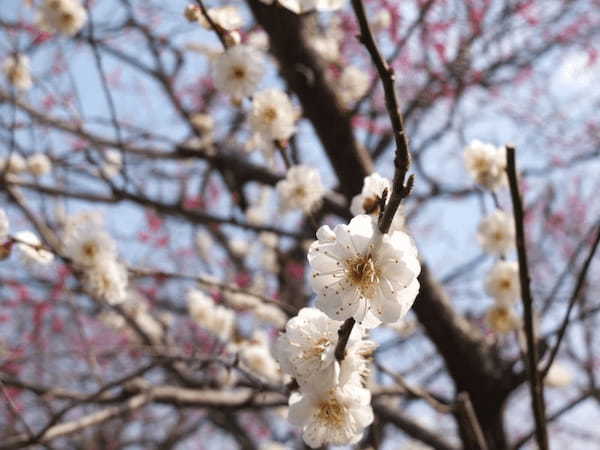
[
  {"x": 16, "y": 69},
  {"x": 486, "y": 164},
  {"x": 31, "y": 248},
  {"x": 502, "y": 319},
  {"x": 63, "y": 16},
  {"x": 106, "y": 280},
  {"x": 302, "y": 188},
  {"x": 39, "y": 164},
  {"x": 559, "y": 376},
  {"x": 352, "y": 85},
  {"x": 496, "y": 233},
  {"x": 502, "y": 283},
  {"x": 273, "y": 115},
  {"x": 238, "y": 71}
]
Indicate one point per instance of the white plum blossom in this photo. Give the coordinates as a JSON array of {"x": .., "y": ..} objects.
[
  {"x": 31, "y": 249},
  {"x": 204, "y": 244},
  {"x": 306, "y": 350},
  {"x": 88, "y": 246},
  {"x": 14, "y": 164},
  {"x": 217, "y": 319},
  {"x": 302, "y": 6},
  {"x": 238, "y": 71},
  {"x": 368, "y": 201},
  {"x": 227, "y": 17},
  {"x": 113, "y": 162},
  {"x": 106, "y": 280},
  {"x": 352, "y": 85},
  {"x": 63, "y": 16},
  {"x": 382, "y": 20},
  {"x": 327, "y": 46},
  {"x": 16, "y": 69},
  {"x": 301, "y": 189},
  {"x": 496, "y": 233},
  {"x": 502, "y": 319},
  {"x": 258, "y": 39},
  {"x": 39, "y": 164},
  {"x": 255, "y": 356},
  {"x": 558, "y": 376},
  {"x": 362, "y": 271},
  {"x": 486, "y": 164},
  {"x": 4, "y": 226},
  {"x": 273, "y": 115},
  {"x": 502, "y": 282},
  {"x": 270, "y": 314},
  {"x": 337, "y": 415}
]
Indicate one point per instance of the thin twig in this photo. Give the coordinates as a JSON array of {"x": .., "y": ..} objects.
[
  {"x": 576, "y": 292},
  {"x": 536, "y": 388}
]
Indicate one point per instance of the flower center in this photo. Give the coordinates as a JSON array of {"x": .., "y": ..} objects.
[
  {"x": 331, "y": 412},
  {"x": 269, "y": 114},
  {"x": 238, "y": 73},
  {"x": 318, "y": 349},
  {"x": 363, "y": 274},
  {"x": 371, "y": 204}
]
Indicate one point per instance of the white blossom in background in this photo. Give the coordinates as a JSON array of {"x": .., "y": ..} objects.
[
  {"x": 331, "y": 415},
  {"x": 106, "y": 280},
  {"x": 367, "y": 202},
  {"x": 352, "y": 85},
  {"x": 258, "y": 212},
  {"x": 502, "y": 319},
  {"x": 270, "y": 314},
  {"x": 256, "y": 357},
  {"x": 302, "y": 6},
  {"x": 258, "y": 39},
  {"x": 558, "y": 376},
  {"x": 496, "y": 233},
  {"x": 306, "y": 350},
  {"x": 227, "y": 17},
  {"x": 17, "y": 72},
  {"x": 273, "y": 116},
  {"x": 301, "y": 189},
  {"x": 269, "y": 239},
  {"x": 14, "y": 164},
  {"x": 238, "y": 71},
  {"x": 272, "y": 445},
  {"x": 239, "y": 247},
  {"x": 486, "y": 164},
  {"x": 241, "y": 300},
  {"x": 502, "y": 282},
  {"x": 39, "y": 164},
  {"x": 31, "y": 250},
  {"x": 113, "y": 162},
  {"x": 205, "y": 125},
  {"x": 362, "y": 271},
  {"x": 63, "y": 16},
  {"x": 4, "y": 226},
  {"x": 217, "y": 319},
  {"x": 204, "y": 244},
  {"x": 88, "y": 246},
  {"x": 381, "y": 21},
  {"x": 327, "y": 46}
]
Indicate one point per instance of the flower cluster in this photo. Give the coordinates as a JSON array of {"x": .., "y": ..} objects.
[
  {"x": 37, "y": 164},
  {"x": 332, "y": 405},
  {"x": 496, "y": 235},
  {"x": 94, "y": 252},
  {"x": 359, "y": 273},
  {"x": 217, "y": 319}
]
